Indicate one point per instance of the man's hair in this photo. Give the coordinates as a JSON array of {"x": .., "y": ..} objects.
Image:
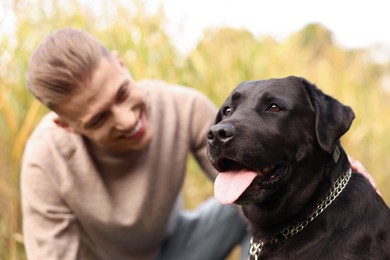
[{"x": 61, "y": 63}]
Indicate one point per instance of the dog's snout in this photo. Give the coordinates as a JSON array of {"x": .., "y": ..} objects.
[{"x": 220, "y": 133}]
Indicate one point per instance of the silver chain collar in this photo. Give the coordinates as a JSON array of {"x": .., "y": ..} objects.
[{"x": 289, "y": 231}]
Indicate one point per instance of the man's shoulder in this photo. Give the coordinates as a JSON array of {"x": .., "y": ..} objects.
[
  {"x": 164, "y": 93},
  {"x": 48, "y": 137},
  {"x": 161, "y": 87}
]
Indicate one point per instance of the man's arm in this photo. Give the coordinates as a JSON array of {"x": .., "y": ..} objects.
[
  {"x": 203, "y": 116},
  {"x": 49, "y": 226}
]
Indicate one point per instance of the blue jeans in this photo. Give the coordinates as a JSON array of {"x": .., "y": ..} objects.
[{"x": 209, "y": 232}]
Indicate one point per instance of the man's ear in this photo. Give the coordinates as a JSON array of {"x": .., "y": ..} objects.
[{"x": 61, "y": 123}]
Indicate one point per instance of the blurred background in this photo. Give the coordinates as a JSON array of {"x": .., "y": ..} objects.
[{"x": 204, "y": 45}]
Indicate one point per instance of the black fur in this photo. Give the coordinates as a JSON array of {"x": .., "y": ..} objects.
[{"x": 293, "y": 126}]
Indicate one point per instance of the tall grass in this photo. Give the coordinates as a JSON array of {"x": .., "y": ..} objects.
[{"x": 222, "y": 59}]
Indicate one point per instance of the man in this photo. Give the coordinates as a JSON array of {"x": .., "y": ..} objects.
[{"x": 102, "y": 174}]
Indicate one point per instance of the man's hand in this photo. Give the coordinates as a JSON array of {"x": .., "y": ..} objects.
[{"x": 358, "y": 167}]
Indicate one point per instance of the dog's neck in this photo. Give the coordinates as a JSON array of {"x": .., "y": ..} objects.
[
  {"x": 293, "y": 229},
  {"x": 271, "y": 215}
]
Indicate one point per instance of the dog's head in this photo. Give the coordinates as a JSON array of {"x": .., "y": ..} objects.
[{"x": 265, "y": 129}]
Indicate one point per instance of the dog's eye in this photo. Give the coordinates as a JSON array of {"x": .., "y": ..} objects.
[
  {"x": 227, "y": 111},
  {"x": 274, "y": 108}
]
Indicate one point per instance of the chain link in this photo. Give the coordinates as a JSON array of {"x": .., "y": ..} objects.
[
  {"x": 289, "y": 231},
  {"x": 255, "y": 249}
]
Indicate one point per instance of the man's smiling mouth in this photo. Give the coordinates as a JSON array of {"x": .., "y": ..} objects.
[{"x": 138, "y": 130}]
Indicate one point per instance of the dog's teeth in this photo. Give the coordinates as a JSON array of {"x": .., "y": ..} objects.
[{"x": 135, "y": 130}]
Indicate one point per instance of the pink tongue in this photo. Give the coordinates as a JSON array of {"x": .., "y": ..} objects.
[{"x": 229, "y": 186}]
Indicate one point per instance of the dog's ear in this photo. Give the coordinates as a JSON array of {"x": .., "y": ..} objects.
[{"x": 332, "y": 119}]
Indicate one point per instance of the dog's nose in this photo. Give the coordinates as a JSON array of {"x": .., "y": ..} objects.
[{"x": 220, "y": 133}]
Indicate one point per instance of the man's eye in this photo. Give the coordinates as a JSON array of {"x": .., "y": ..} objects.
[
  {"x": 274, "y": 108},
  {"x": 97, "y": 120},
  {"x": 227, "y": 111}
]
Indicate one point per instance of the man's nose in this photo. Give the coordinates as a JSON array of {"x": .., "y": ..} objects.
[{"x": 124, "y": 117}]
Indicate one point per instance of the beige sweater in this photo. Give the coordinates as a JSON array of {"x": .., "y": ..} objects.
[{"x": 80, "y": 202}]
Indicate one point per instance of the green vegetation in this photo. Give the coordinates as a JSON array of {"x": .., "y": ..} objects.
[{"x": 223, "y": 58}]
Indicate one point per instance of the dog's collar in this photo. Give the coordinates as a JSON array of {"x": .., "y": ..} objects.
[{"x": 289, "y": 231}]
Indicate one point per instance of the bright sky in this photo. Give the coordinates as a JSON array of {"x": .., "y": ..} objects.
[{"x": 354, "y": 23}]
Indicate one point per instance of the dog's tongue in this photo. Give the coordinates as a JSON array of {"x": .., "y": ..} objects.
[{"x": 229, "y": 186}]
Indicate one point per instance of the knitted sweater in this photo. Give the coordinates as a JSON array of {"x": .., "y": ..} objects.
[{"x": 81, "y": 202}]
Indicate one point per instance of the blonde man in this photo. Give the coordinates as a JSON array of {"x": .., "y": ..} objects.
[{"x": 102, "y": 174}]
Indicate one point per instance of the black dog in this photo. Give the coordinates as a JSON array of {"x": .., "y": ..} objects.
[{"x": 276, "y": 146}]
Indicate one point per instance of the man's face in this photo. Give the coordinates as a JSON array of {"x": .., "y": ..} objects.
[{"x": 110, "y": 109}]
